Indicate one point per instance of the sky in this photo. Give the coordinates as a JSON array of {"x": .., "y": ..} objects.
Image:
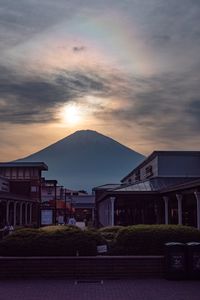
[{"x": 128, "y": 69}]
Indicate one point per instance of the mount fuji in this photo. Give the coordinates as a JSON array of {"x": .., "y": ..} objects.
[{"x": 86, "y": 159}]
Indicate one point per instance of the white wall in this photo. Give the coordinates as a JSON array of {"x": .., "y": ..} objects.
[{"x": 104, "y": 211}]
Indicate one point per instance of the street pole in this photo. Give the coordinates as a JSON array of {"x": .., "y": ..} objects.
[
  {"x": 55, "y": 186},
  {"x": 65, "y": 207},
  {"x": 70, "y": 206}
]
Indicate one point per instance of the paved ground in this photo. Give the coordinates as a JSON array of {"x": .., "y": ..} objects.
[{"x": 137, "y": 289}]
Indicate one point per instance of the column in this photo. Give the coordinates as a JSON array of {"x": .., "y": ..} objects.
[
  {"x": 21, "y": 213},
  {"x": 26, "y": 214},
  {"x": 15, "y": 214},
  {"x": 166, "y": 200},
  {"x": 7, "y": 212},
  {"x": 179, "y": 197},
  {"x": 197, "y": 195},
  {"x": 112, "y": 200},
  {"x": 30, "y": 221}
]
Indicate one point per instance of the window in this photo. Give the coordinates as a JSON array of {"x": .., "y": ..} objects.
[
  {"x": 149, "y": 171},
  {"x": 33, "y": 189},
  {"x": 137, "y": 175}
]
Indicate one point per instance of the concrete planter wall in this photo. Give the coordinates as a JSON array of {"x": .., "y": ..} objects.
[{"x": 82, "y": 267}]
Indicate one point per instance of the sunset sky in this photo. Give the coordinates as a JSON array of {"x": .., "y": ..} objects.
[{"x": 128, "y": 69}]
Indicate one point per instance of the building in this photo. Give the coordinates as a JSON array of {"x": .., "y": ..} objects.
[
  {"x": 163, "y": 189},
  {"x": 84, "y": 206},
  {"x": 58, "y": 204},
  {"x": 20, "y": 193}
]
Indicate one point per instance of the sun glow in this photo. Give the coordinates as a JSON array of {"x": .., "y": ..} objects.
[{"x": 71, "y": 114}]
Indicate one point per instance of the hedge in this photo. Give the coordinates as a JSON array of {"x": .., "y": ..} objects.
[
  {"x": 150, "y": 239},
  {"x": 110, "y": 232},
  {"x": 66, "y": 242},
  {"x": 71, "y": 241}
]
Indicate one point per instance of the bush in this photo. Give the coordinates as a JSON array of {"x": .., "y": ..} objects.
[
  {"x": 55, "y": 228},
  {"x": 66, "y": 242},
  {"x": 150, "y": 239},
  {"x": 109, "y": 233},
  {"x": 114, "y": 229}
]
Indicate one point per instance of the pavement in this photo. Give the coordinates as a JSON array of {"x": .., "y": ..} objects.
[{"x": 135, "y": 289}]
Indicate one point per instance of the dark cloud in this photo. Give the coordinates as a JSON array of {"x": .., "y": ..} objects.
[
  {"x": 164, "y": 107},
  {"x": 78, "y": 49},
  {"x": 34, "y": 99}
]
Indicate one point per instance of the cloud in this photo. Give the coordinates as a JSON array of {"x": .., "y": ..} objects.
[
  {"x": 30, "y": 99},
  {"x": 78, "y": 49},
  {"x": 163, "y": 107}
]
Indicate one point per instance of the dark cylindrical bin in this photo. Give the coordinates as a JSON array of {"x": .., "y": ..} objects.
[
  {"x": 175, "y": 260},
  {"x": 193, "y": 261}
]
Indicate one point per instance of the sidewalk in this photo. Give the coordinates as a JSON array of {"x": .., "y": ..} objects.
[{"x": 137, "y": 289}]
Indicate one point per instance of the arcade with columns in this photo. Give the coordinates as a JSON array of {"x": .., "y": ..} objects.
[
  {"x": 20, "y": 193},
  {"x": 148, "y": 195}
]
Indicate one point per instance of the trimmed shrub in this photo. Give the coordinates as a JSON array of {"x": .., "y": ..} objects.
[
  {"x": 109, "y": 233},
  {"x": 70, "y": 242},
  {"x": 150, "y": 239},
  {"x": 55, "y": 228},
  {"x": 114, "y": 229}
]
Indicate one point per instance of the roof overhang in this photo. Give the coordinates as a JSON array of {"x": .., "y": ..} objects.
[{"x": 39, "y": 165}]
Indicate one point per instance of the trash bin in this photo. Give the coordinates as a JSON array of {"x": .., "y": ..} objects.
[
  {"x": 193, "y": 260},
  {"x": 175, "y": 261}
]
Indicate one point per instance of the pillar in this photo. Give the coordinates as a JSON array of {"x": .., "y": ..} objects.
[
  {"x": 166, "y": 200},
  {"x": 7, "y": 212},
  {"x": 26, "y": 214},
  {"x": 197, "y": 195},
  {"x": 21, "y": 213},
  {"x": 31, "y": 209},
  {"x": 15, "y": 214},
  {"x": 179, "y": 198},
  {"x": 112, "y": 200}
]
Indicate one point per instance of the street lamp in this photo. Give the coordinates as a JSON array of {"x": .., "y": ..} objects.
[{"x": 65, "y": 207}]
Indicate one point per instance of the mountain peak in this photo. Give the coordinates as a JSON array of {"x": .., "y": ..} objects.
[
  {"x": 86, "y": 131},
  {"x": 86, "y": 159}
]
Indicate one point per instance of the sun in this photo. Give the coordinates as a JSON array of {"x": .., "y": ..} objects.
[{"x": 71, "y": 114}]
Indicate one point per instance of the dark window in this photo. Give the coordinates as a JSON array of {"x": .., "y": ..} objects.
[
  {"x": 149, "y": 171},
  {"x": 137, "y": 175}
]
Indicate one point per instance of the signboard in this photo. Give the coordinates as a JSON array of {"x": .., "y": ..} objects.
[
  {"x": 102, "y": 249},
  {"x": 46, "y": 217},
  {"x": 61, "y": 220}
]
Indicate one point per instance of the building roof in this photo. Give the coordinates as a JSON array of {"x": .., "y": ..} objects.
[
  {"x": 83, "y": 199},
  {"x": 10, "y": 196},
  {"x": 39, "y": 165},
  {"x": 155, "y": 184},
  {"x": 193, "y": 183},
  {"x": 159, "y": 153},
  {"x": 107, "y": 186}
]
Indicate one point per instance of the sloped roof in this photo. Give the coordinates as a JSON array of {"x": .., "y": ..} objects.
[
  {"x": 39, "y": 165},
  {"x": 155, "y": 184}
]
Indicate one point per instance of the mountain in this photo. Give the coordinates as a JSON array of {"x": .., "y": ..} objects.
[{"x": 86, "y": 159}]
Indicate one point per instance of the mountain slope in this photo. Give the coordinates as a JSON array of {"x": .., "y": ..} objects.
[{"x": 86, "y": 159}]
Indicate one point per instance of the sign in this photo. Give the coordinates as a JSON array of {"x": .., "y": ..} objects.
[
  {"x": 46, "y": 217},
  {"x": 61, "y": 220},
  {"x": 102, "y": 249}
]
